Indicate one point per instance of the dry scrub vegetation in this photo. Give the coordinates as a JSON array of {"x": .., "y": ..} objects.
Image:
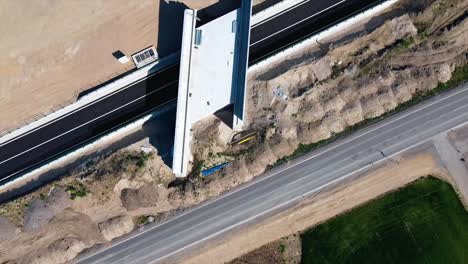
[
  {"x": 295, "y": 107},
  {"x": 345, "y": 84}
]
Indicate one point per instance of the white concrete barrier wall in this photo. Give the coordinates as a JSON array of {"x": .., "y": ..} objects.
[
  {"x": 181, "y": 140},
  {"x": 101, "y": 141},
  {"x": 94, "y": 96},
  {"x": 138, "y": 74},
  {"x": 274, "y": 10},
  {"x": 313, "y": 39},
  {"x": 138, "y": 123}
]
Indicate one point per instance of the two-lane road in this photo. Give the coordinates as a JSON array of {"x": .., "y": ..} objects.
[
  {"x": 79, "y": 127},
  {"x": 279, "y": 188}
]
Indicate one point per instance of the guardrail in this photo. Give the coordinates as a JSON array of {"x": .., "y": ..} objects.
[
  {"x": 273, "y": 10},
  {"x": 76, "y": 93},
  {"x": 98, "y": 141},
  {"x": 325, "y": 33},
  {"x": 106, "y": 89}
]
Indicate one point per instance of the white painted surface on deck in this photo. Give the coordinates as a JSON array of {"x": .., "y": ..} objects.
[
  {"x": 181, "y": 132},
  {"x": 205, "y": 79},
  {"x": 212, "y": 67}
]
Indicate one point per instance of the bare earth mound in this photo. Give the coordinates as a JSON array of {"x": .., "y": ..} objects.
[{"x": 362, "y": 77}]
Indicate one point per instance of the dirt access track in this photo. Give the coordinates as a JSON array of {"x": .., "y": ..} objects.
[{"x": 52, "y": 49}]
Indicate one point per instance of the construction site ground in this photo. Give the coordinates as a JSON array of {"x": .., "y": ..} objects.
[
  {"x": 52, "y": 50},
  {"x": 329, "y": 89}
]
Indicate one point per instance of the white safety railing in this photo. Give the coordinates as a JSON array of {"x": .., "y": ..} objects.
[
  {"x": 118, "y": 84},
  {"x": 281, "y": 55},
  {"x": 274, "y": 10},
  {"x": 99, "y": 142},
  {"x": 73, "y": 105}
]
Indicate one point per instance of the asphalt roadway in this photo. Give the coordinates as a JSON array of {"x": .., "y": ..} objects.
[
  {"x": 57, "y": 137},
  {"x": 299, "y": 22},
  {"x": 280, "y": 188}
]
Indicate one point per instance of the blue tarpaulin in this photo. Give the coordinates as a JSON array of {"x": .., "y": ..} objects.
[{"x": 214, "y": 169}]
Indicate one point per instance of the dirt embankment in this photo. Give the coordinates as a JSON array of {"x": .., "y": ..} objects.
[
  {"x": 259, "y": 241},
  {"x": 362, "y": 78},
  {"x": 88, "y": 207},
  {"x": 358, "y": 79}
]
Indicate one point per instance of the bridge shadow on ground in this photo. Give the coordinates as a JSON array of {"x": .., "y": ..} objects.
[
  {"x": 161, "y": 131},
  {"x": 171, "y": 19},
  {"x": 170, "y": 24}
]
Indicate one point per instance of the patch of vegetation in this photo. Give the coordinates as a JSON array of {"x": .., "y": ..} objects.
[
  {"x": 337, "y": 70},
  {"x": 440, "y": 8},
  {"x": 197, "y": 167},
  {"x": 139, "y": 159},
  {"x": 282, "y": 248},
  {"x": 424, "y": 222},
  {"x": 407, "y": 43},
  {"x": 76, "y": 189},
  {"x": 459, "y": 76},
  {"x": 422, "y": 27},
  {"x": 142, "y": 220}
]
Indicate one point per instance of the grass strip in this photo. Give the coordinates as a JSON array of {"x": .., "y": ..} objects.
[{"x": 424, "y": 222}]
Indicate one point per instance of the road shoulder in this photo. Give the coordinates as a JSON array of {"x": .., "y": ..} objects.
[{"x": 310, "y": 212}]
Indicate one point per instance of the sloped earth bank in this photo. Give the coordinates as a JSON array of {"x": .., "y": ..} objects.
[
  {"x": 257, "y": 239},
  {"x": 361, "y": 78}
]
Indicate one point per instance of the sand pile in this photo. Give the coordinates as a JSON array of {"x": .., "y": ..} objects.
[
  {"x": 59, "y": 241},
  {"x": 7, "y": 229},
  {"x": 116, "y": 227}
]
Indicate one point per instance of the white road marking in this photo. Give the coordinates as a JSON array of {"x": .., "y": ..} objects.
[
  {"x": 90, "y": 121},
  {"x": 97, "y": 137},
  {"x": 263, "y": 195},
  {"x": 81, "y": 108},
  {"x": 287, "y": 166},
  {"x": 286, "y": 203},
  {"x": 277, "y": 32},
  {"x": 279, "y": 14}
]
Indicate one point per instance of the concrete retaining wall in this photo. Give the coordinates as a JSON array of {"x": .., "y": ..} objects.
[
  {"x": 326, "y": 33},
  {"x": 274, "y": 10},
  {"x": 93, "y": 96},
  {"x": 76, "y": 154},
  {"x": 118, "y": 84}
]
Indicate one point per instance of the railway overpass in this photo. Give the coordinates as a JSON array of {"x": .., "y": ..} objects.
[{"x": 32, "y": 148}]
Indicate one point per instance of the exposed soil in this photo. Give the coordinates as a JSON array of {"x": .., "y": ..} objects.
[
  {"x": 311, "y": 212},
  {"x": 363, "y": 77},
  {"x": 53, "y": 49},
  {"x": 286, "y": 250},
  {"x": 82, "y": 209}
]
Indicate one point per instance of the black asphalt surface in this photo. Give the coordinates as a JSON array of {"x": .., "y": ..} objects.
[
  {"x": 288, "y": 185},
  {"x": 88, "y": 122},
  {"x": 300, "y": 22},
  {"x": 26, "y": 152}
]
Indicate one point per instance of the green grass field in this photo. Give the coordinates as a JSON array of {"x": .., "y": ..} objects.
[{"x": 424, "y": 222}]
